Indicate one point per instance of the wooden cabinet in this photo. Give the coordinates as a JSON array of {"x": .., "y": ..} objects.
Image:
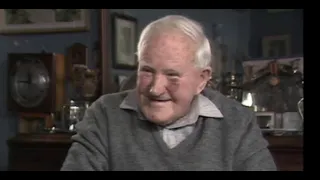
[
  {"x": 38, "y": 152},
  {"x": 287, "y": 152},
  {"x": 46, "y": 152}
]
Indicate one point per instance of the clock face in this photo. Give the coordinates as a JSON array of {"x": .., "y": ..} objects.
[{"x": 29, "y": 82}]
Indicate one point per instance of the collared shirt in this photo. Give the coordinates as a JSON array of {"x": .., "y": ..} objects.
[{"x": 174, "y": 133}]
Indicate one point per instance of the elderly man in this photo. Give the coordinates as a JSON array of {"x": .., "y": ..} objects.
[{"x": 170, "y": 121}]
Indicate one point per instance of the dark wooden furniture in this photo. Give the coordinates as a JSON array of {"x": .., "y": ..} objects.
[
  {"x": 287, "y": 152},
  {"x": 38, "y": 152},
  {"x": 46, "y": 152}
]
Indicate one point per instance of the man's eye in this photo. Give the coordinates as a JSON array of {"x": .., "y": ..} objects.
[
  {"x": 146, "y": 70},
  {"x": 172, "y": 74}
]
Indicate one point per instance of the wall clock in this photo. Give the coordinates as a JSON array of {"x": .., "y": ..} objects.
[{"x": 36, "y": 82}]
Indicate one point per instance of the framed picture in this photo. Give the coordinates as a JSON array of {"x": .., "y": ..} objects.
[
  {"x": 124, "y": 39},
  {"x": 276, "y": 46},
  {"x": 23, "y": 21}
]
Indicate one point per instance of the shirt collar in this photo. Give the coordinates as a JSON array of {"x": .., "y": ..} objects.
[{"x": 201, "y": 106}]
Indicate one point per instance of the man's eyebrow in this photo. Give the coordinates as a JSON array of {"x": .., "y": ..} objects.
[
  {"x": 171, "y": 71},
  {"x": 146, "y": 67},
  {"x": 165, "y": 71}
]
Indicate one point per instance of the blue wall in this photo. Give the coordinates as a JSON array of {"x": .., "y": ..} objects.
[
  {"x": 236, "y": 26},
  {"x": 268, "y": 24},
  {"x": 236, "y": 30}
]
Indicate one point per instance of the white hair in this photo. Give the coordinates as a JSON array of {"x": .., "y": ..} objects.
[{"x": 187, "y": 26}]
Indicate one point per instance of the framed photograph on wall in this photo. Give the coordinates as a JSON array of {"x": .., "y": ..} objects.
[
  {"x": 276, "y": 46},
  {"x": 124, "y": 39},
  {"x": 24, "y": 21}
]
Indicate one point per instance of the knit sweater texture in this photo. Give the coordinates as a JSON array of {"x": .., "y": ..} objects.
[{"x": 113, "y": 139}]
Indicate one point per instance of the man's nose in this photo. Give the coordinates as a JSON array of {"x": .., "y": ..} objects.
[{"x": 158, "y": 85}]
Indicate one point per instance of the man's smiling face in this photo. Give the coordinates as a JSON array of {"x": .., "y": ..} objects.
[{"x": 168, "y": 79}]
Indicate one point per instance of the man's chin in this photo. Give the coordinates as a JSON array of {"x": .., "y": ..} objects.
[
  {"x": 159, "y": 119},
  {"x": 161, "y": 122}
]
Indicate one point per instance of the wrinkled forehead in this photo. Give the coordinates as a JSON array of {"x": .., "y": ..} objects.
[{"x": 173, "y": 45}]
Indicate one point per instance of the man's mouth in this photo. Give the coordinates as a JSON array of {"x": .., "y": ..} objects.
[{"x": 159, "y": 100}]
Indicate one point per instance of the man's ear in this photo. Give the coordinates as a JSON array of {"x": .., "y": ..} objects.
[{"x": 205, "y": 76}]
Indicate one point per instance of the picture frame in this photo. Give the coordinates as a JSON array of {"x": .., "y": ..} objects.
[
  {"x": 124, "y": 41},
  {"x": 104, "y": 62},
  {"x": 28, "y": 21},
  {"x": 276, "y": 46}
]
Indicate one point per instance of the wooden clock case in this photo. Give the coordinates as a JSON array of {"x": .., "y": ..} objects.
[{"x": 55, "y": 64}]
